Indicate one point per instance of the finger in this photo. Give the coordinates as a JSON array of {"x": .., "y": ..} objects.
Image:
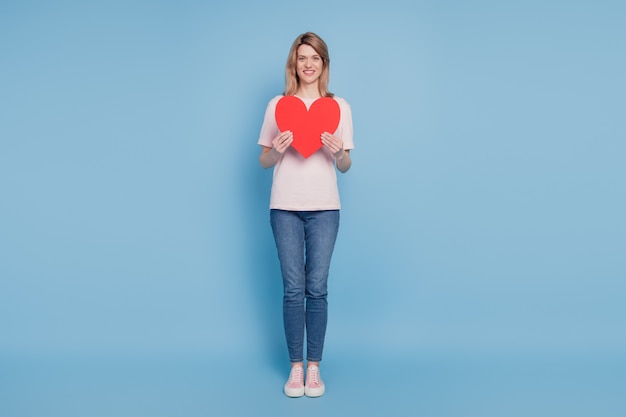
[
  {"x": 334, "y": 145},
  {"x": 285, "y": 144},
  {"x": 334, "y": 141}
]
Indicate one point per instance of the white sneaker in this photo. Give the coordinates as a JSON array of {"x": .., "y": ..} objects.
[
  {"x": 294, "y": 387},
  {"x": 314, "y": 386}
]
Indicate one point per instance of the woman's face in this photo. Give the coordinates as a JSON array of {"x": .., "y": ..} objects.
[{"x": 309, "y": 64}]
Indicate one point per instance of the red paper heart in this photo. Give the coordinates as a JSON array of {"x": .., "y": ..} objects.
[{"x": 307, "y": 126}]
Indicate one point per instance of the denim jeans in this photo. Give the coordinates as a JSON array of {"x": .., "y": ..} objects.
[{"x": 305, "y": 241}]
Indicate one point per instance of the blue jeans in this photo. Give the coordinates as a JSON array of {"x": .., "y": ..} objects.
[{"x": 305, "y": 241}]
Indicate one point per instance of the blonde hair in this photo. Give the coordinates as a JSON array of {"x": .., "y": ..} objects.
[{"x": 291, "y": 76}]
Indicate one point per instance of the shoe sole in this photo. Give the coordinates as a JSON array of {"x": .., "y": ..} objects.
[
  {"x": 294, "y": 392},
  {"x": 314, "y": 392}
]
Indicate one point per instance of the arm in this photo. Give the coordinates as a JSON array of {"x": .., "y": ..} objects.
[
  {"x": 343, "y": 161},
  {"x": 270, "y": 156},
  {"x": 342, "y": 156}
]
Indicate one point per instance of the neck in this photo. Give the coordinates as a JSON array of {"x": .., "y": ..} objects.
[{"x": 308, "y": 91}]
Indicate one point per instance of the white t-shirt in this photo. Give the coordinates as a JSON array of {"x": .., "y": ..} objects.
[{"x": 309, "y": 184}]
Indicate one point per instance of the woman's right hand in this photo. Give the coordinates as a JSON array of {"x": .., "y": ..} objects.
[
  {"x": 281, "y": 142},
  {"x": 270, "y": 156}
]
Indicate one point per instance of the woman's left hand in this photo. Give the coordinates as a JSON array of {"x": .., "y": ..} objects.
[{"x": 333, "y": 143}]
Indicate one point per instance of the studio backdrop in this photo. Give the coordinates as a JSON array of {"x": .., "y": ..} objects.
[{"x": 484, "y": 210}]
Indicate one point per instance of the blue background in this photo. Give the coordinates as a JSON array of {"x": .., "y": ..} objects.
[{"x": 480, "y": 268}]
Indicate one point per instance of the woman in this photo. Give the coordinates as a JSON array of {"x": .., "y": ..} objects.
[{"x": 304, "y": 210}]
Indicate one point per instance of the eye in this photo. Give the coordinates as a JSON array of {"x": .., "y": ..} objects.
[{"x": 316, "y": 58}]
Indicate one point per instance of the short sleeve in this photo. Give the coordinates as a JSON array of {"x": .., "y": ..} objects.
[
  {"x": 269, "y": 130},
  {"x": 345, "y": 131}
]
